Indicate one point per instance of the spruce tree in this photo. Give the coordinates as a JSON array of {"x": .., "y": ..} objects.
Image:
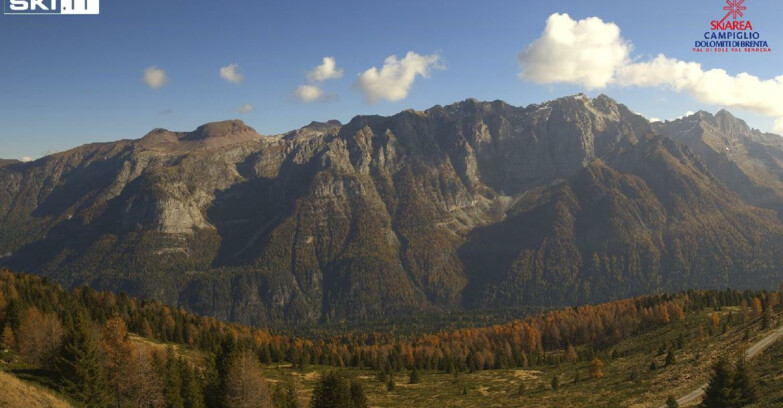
[
  {"x": 284, "y": 395},
  {"x": 79, "y": 364},
  {"x": 332, "y": 391},
  {"x": 671, "y": 359},
  {"x": 173, "y": 381},
  {"x": 415, "y": 377},
  {"x": 358, "y": 397},
  {"x": 744, "y": 387},
  {"x": 192, "y": 393},
  {"x": 719, "y": 391}
]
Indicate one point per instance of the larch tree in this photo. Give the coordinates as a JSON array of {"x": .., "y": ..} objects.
[
  {"x": 39, "y": 336},
  {"x": 597, "y": 368},
  {"x": 7, "y": 338},
  {"x": 245, "y": 386},
  {"x": 145, "y": 386},
  {"x": 118, "y": 352}
]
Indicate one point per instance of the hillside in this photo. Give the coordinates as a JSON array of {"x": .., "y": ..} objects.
[
  {"x": 474, "y": 206},
  {"x": 17, "y": 394},
  {"x": 649, "y": 348}
]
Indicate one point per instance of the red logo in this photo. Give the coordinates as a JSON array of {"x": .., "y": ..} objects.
[{"x": 735, "y": 10}]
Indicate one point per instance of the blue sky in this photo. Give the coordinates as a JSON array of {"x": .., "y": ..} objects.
[{"x": 70, "y": 80}]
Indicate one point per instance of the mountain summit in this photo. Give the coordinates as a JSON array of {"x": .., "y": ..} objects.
[{"x": 475, "y": 205}]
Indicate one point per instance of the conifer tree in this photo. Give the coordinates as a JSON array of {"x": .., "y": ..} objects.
[
  {"x": 719, "y": 391},
  {"x": 358, "y": 397},
  {"x": 284, "y": 395},
  {"x": 79, "y": 364},
  {"x": 596, "y": 368},
  {"x": 671, "y": 359},
  {"x": 7, "y": 338},
  {"x": 744, "y": 387},
  {"x": 192, "y": 393},
  {"x": 173, "y": 381},
  {"x": 415, "y": 377},
  {"x": 332, "y": 391}
]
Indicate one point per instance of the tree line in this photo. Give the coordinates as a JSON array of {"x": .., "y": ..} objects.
[{"x": 85, "y": 338}]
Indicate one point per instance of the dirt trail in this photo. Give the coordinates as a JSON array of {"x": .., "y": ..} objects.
[{"x": 752, "y": 351}]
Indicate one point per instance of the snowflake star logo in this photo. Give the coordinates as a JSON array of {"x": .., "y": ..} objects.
[{"x": 734, "y": 9}]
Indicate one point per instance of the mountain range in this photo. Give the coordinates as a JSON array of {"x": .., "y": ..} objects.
[{"x": 471, "y": 206}]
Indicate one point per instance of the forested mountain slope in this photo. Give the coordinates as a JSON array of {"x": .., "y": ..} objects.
[{"x": 473, "y": 205}]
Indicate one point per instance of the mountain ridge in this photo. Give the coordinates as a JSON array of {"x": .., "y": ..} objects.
[{"x": 470, "y": 205}]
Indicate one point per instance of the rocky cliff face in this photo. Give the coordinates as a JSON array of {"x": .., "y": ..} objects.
[
  {"x": 478, "y": 205},
  {"x": 747, "y": 161}
]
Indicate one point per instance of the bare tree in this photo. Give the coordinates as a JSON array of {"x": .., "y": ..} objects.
[
  {"x": 245, "y": 383},
  {"x": 40, "y": 336},
  {"x": 145, "y": 387}
]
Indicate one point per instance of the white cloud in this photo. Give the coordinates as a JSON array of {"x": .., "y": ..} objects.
[
  {"x": 585, "y": 52},
  {"x": 246, "y": 108},
  {"x": 327, "y": 70},
  {"x": 313, "y": 92},
  {"x": 309, "y": 93},
  {"x": 591, "y": 53},
  {"x": 231, "y": 74},
  {"x": 653, "y": 120},
  {"x": 393, "y": 81},
  {"x": 26, "y": 159},
  {"x": 155, "y": 77}
]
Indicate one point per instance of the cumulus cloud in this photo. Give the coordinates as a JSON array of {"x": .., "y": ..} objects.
[
  {"x": 310, "y": 93},
  {"x": 394, "y": 79},
  {"x": 585, "y": 52},
  {"x": 592, "y": 53},
  {"x": 26, "y": 159},
  {"x": 231, "y": 73},
  {"x": 327, "y": 70},
  {"x": 246, "y": 108},
  {"x": 155, "y": 77}
]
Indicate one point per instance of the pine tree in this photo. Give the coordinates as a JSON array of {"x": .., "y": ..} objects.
[
  {"x": 192, "y": 393},
  {"x": 744, "y": 388},
  {"x": 79, "y": 365},
  {"x": 284, "y": 395},
  {"x": 415, "y": 377},
  {"x": 332, "y": 391},
  {"x": 390, "y": 383},
  {"x": 671, "y": 359},
  {"x": 173, "y": 380},
  {"x": 358, "y": 397},
  {"x": 719, "y": 393}
]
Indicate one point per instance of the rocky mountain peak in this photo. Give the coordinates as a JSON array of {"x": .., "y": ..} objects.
[
  {"x": 224, "y": 129},
  {"x": 730, "y": 124}
]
